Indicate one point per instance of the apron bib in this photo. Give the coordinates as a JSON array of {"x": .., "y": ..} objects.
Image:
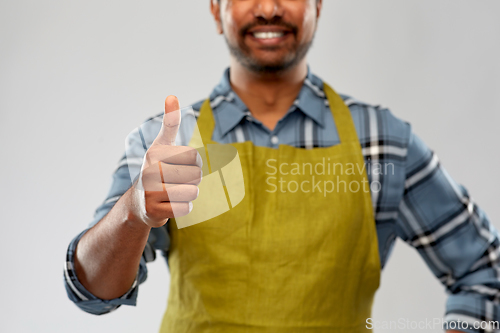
[{"x": 289, "y": 257}]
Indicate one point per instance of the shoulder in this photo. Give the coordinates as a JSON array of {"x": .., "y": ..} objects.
[
  {"x": 378, "y": 123},
  {"x": 374, "y": 123}
]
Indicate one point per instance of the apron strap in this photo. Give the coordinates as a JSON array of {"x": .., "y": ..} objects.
[
  {"x": 341, "y": 115},
  {"x": 205, "y": 126},
  {"x": 340, "y": 111}
]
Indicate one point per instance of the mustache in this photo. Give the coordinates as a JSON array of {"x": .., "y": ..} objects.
[{"x": 275, "y": 21}]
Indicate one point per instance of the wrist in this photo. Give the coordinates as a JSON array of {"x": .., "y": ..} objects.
[{"x": 130, "y": 209}]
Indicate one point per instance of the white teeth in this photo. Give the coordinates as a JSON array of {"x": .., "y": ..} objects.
[{"x": 268, "y": 35}]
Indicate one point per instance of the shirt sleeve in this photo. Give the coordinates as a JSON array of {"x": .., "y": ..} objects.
[
  {"x": 84, "y": 299},
  {"x": 454, "y": 236}
]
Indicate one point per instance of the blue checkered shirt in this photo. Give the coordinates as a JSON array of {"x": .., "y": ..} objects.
[{"x": 418, "y": 201}]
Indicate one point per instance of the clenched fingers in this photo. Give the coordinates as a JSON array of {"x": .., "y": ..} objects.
[
  {"x": 163, "y": 173},
  {"x": 174, "y": 193},
  {"x": 166, "y": 210}
]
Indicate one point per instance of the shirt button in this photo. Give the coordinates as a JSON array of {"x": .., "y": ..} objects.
[
  {"x": 274, "y": 140},
  {"x": 249, "y": 118}
]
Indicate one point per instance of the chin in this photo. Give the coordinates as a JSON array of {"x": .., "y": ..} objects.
[{"x": 273, "y": 65}]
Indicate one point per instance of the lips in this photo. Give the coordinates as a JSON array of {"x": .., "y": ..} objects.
[{"x": 269, "y": 35}]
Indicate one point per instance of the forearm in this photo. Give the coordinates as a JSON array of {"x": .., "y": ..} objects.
[{"x": 108, "y": 255}]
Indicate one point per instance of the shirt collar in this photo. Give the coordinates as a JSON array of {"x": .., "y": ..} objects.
[
  {"x": 311, "y": 99},
  {"x": 229, "y": 109}
]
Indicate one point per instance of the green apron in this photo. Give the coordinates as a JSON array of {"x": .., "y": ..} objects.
[{"x": 280, "y": 261}]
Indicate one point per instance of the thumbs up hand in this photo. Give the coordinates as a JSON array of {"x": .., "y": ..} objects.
[{"x": 170, "y": 174}]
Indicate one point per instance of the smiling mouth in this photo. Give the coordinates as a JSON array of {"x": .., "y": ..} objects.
[{"x": 268, "y": 34}]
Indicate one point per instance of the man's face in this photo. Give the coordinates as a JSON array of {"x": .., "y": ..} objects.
[{"x": 267, "y": 35}]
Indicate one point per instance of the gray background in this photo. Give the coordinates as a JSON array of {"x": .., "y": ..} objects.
[{"x": 77, "y": 76}]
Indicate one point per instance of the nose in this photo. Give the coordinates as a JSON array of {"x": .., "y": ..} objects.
[{"x": 268, "y": 9}]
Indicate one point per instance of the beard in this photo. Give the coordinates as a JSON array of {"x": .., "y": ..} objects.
[
  {"x": 252, "y": 63},
  {"x": 243, "y": 53}
]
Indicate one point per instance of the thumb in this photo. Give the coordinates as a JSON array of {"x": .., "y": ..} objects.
[{"x": 171, "y": 122}]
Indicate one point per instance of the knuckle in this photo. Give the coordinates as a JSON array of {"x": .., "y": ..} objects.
[
  {"x": 182, "y": 209},
  {"x": 176, "y": 209},
  {"x": 151, "y": 154},
  {"x": 196, "y": 192},
  {"x": 191, "y": 151},
  {"x": 198, "y": 175},
  {"x": 193, "y": 193},
  {"x": 195, "y": 155}
]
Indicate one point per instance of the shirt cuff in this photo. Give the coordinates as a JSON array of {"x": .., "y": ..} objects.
[
  {"x": 471, "y": 313},
  {"x": 88, "y": 302}
]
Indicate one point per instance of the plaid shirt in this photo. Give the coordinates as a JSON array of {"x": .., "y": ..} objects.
[{"x": 417, "y": 202}]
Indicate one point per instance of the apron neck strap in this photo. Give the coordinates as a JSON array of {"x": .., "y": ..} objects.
[
  {"x": 205, "y": 126},
  {"x": 341, "y": 115}
]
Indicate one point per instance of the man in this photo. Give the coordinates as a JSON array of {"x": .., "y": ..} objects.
[{"x": 285, "y": 258}]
